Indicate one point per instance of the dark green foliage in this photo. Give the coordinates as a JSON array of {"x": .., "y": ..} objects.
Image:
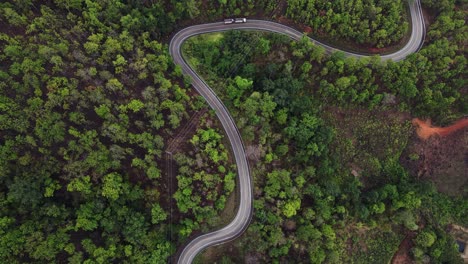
[{"x": 377, "y": 23}]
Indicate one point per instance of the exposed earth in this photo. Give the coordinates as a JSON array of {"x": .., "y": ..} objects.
[
  {"x": 440, "y": 155},
  {"x": 425, "y": 130},
  {"x": 402, "y": 256}
]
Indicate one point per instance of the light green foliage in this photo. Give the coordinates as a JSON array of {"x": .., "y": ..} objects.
[
  {"x": 103, "y": 111},
  {"x": 328, "y": 232},
  {"x": 81, "y": 184},
  {"x": 94, "y": 41},
  {"x": 238, "y": 88},
  {"x": 157, "y": 214},
  {"x": 135, "y": 105},
  {"x": 417, "y": 252},
  {"x": 87, "y": 217},
  {"x": 153, "y": 173},
  {"x": 188, "y": 227},
  {"x": 13, "y": 17},
  {"x": 425, "y": 239},
  {"x": 119, "y": 63},
  {"x": 378, "y": 208},
  {"x": 316, "y": 255},
  {"x": 291, "y": 207},
  {"x": 112, "y": 186},
  {"x": 114, "y": 85},
  {"x": 51, "y": 187},
  {"x": 210, "y": 141},
  {"x": 409, "y": 200},
  {"x": 229, "y": 182},
  {"x": 264, "y": 46}
]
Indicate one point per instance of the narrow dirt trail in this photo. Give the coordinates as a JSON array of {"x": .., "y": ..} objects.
[
  {"x": 402, "y": 256},
  {"x": 425, "y": 130}
]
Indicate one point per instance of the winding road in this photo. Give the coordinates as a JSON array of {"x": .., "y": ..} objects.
[{"x": 244, "y": 213}]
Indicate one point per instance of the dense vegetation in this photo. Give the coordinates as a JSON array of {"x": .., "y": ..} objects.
[
  {"x": 322, "y": 177},
  {"x": 205, "y": 179},
  {"x": 90, "y": 101},
  {"x": 377, "y": 23},
  {"x": 369, "y": 22}
]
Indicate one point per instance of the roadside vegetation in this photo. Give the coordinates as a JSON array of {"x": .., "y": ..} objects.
[
  {"x": 205, "y": 180},
  {"x": 367, "y": 24},
  {"x": 325, "y": 136},
  {"x": 374, "y": 23}
]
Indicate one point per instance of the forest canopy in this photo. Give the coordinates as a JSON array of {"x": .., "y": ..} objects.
[
  {"x": 108, "y": 155},
  {"x": 327, "y": 137}
]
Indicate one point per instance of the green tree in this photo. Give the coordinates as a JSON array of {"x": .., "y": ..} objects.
[
  {"x": 112, "y": 186},
  {"x": 157, "y": 214},
  {"x": 425, "y": 239}
]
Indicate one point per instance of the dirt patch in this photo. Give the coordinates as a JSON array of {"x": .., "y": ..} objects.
[
  {"x": 402, "y": 256},
  {"x": 440, "y": 155},
  {"x": 429, "y": 16},
  {"x": 254, "y": 153},
  {"x": 425, "y": 130}
]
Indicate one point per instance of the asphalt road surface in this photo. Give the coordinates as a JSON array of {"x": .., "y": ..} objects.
[{"x": 244, "y": 213}]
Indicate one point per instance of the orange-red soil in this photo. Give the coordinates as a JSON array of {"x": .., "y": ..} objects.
[
  {"x": 440, "y": 156},
  {"x": 425, "y": 130}
]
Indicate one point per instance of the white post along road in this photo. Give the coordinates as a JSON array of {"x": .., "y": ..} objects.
[{"x": 244, "y": 213}]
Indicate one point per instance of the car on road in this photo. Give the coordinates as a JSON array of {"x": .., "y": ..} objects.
[
  {"x": 240, "y": 20},
  {"x": 234, "y": 20}
]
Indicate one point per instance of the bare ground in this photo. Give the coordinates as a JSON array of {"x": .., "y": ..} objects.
[
  {"x": 441, "y": 158},
  {"x": 402, "y": 256}
]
